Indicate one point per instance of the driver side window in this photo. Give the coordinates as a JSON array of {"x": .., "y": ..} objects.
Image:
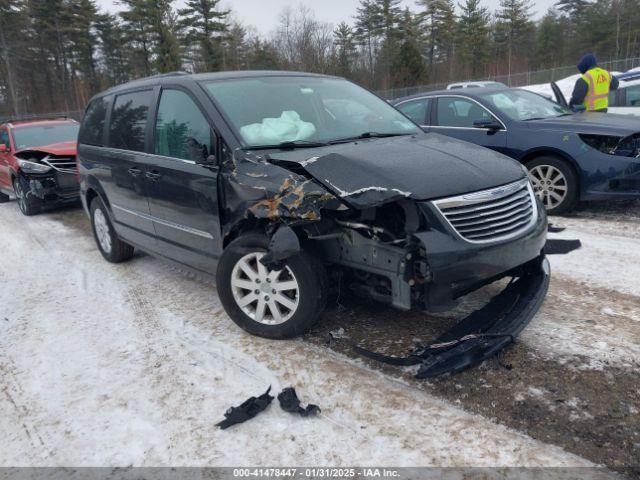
[
  {"x": 181, "y": 130},
  {"x": 459, "y": 112}
]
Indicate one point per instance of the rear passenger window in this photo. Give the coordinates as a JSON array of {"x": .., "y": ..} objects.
[
  {"x": 416, "y": 110},
  {"x": 129, "y": 121},
  {"x": 92, "y": 129},
  {"x": 633, "y": 96},
  {"x": 182, "y": 131}
]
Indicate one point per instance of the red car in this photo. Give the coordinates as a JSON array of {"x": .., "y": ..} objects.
[{"x": 38, "y": 163}]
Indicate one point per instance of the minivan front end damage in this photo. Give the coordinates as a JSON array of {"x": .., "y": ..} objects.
[{"x": 384, "y": 245}]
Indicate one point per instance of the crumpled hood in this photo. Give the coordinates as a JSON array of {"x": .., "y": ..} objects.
[
  {"x": 422, "y": 167},
  {"x": 62, "y": 148},
  {"x": 591, "y": 122}
]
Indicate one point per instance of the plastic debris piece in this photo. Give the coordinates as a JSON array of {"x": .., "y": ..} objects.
[
  {"x": 555, "y": 246},
  {"x": 551, "y": 228},
  {"x": 289, "y": 402},
  {"x": 249, "y": 409}
]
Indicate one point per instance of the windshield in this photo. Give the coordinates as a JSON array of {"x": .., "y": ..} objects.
[
  {"x": 41, "y": 135},
  {"x": 523, "y": 105},
  {"x": 273, "y": 110}
]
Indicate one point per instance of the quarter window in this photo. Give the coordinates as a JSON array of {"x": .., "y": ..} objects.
[
  {"x": 181, "y": 129},
  {"x": 416, "y": 110},
  {"x": 92, "y": 130},
  {"x": 459, "y": 112},
  {"x": 129, "y": 121}
]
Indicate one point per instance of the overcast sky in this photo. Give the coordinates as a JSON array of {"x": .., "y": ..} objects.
[{"x": 263, "y": 14}]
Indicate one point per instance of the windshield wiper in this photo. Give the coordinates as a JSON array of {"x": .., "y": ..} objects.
[
  {"x": 288, "y": 145},
  {"x": 545, "y": 118},
  {"x": 368, "y": 135}
]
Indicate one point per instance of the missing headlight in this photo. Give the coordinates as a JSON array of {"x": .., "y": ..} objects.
[
  {"x": 605, "y": 143},
  {"x": 614, "y": 145}
]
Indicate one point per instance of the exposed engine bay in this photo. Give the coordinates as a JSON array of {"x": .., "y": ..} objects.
[{"x": 614, "y": 145}]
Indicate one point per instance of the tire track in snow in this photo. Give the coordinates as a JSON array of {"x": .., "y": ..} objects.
[{"x": 127, "y": 423}]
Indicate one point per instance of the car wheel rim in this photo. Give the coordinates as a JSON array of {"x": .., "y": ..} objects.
[
  {"x": 102, "y": 230},
  {"x": 549, "y": 184},
  {"x": 266, "y": 296},
  {"x": 20, "y": 196}
]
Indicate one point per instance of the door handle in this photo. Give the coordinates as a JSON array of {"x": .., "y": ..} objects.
[
  {"x": 135, "y": 171},
  {"x": 153, "y": 176}
]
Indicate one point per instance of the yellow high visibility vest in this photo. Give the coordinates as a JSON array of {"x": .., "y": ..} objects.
[{"x": 599, "y": 81}]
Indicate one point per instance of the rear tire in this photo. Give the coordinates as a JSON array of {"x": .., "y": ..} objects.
[
  {"x": 271, "y": 304},
  {"x": 28, "y": 206},
  {"x": 555, "y": 183},
  {"x": 111, "y": 247},
  {"x": 4, "y": 198}
]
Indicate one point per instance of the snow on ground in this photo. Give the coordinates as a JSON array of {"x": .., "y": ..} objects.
[
  {"x": 593, "y": 307},
  {"x": 133, "y": 364}
]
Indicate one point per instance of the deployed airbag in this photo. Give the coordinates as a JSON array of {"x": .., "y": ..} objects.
[{"x": 289, "y": 127}]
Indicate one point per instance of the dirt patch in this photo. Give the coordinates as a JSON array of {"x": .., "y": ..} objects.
[{"x": 592, "y": 413}]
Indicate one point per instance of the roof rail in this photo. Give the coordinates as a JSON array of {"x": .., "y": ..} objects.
[
  {"x": 168, "y": 74},
  {"x": 36, "y": 117}
]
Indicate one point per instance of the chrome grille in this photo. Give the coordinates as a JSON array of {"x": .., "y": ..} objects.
[
  {"x": 491, "y": 215},
  {"x": 61, "y": 164}
]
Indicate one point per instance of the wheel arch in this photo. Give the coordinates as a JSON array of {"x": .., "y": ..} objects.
[
  {"x": 553, "y": 152},
  {"x": 246, "y": 225},
  {"x": 94, "y": 189}
]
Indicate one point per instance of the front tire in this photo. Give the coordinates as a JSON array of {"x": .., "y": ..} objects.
[
  {"x": 268, "y": 303},
  {"x": 555, "y": 183},
  {"x": 28, "y": 206},
  {"x": 111, "y": 247}
]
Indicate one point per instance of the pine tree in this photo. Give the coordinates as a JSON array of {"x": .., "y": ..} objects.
[
  {"x": 438, "y": 19},
  {"x": 165, "y": 28},
  {"x": 82, "y": 15},
  {"x": 366, "y": 31},
  {"x": 346, "y": 49},
  {"x": 409, "y": 65},
  {"x": 514, "y": 30},
  {"x": 111, "y": 36},
  {"x": 138, "y": 33},
  {"x": 550, "y": 40},
  {"x": 12, "y": 23},
  {"x": 235, "y": 48},
  {"x": 473, "y": 37},
  {"x": 205, "y": 26}
]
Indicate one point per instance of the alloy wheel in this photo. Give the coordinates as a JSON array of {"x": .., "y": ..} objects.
[
  {"x": 549, "y": 184},
  {"x": 20, "y": 196},
  {"x": 267, "y": 296},
  {"x": 102, "y": 230}
]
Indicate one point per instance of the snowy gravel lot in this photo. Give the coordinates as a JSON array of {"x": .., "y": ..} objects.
[{"x": 133, "y": 364}]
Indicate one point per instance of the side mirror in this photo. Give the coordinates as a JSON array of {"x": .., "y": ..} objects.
[
  {"x": 489, "y": 124},
  {"x": 199, "y": 153},
  {"x": 207, "y": 160},
  {"x": 3, "y": 148}
]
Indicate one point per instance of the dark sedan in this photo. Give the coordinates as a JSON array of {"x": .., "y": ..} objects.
[{"x": 570, "y": 156}]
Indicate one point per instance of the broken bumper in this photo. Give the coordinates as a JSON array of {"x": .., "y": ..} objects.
[
  {"x": 55, "y": 188},
  {"x": 458, "y": 267},
  {"x": 491, "y": 328},
  {"x": 484, "y": 332}
]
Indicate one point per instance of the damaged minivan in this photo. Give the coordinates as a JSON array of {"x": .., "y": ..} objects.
[{"x": 283, "y": 186}]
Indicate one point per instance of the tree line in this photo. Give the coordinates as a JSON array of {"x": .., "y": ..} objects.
[{"x": 55, "y": 54}]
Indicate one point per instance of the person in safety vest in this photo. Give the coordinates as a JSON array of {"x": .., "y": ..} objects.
[{"x": 592, "y": 88}]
